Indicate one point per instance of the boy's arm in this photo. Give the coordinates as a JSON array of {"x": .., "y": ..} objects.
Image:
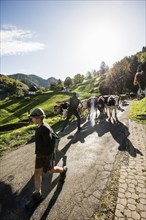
[{"x": 46, "y": 136}]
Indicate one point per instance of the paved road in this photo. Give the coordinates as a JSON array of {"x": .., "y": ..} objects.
[{"x": 90, "y": 156}]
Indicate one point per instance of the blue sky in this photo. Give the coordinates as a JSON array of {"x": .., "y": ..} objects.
[{"x": 63, "y": 38}]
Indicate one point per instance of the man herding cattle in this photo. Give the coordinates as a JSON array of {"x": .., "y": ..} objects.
[{"x": 73, "y": 110}]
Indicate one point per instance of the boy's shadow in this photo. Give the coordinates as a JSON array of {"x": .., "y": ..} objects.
[{"x": 12, "y": 205}]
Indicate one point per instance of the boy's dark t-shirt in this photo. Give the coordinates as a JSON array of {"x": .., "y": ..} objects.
[
  {"x": 43, "y": 140},
  {"x": 74, "y": 102}
]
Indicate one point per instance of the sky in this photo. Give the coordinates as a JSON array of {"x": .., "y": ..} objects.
[{"x": 63, "y": 38}]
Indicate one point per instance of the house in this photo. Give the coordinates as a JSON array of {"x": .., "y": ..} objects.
[{"x": 32, "y": 90}]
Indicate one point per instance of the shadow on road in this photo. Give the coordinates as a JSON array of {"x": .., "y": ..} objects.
[
  {"x": 12, "y": 205},
  {"x": 53, "y": 200},
  {"x": 117, "y": 129}
]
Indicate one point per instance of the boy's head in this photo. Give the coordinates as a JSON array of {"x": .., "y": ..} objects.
[{"x": 38, "y": 113}]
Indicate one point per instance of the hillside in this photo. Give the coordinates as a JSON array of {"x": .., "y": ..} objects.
[
  {"x": 89, "y": 87},
  {"x": 16, "y": 129},
  {"x": 33, "y": 80},
  {"x": 8, "y": 86}
]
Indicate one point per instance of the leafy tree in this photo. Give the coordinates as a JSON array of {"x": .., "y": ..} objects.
[
  {"x": 13, "y": 88},
  {"x": 94, "y": 72},
  {"x": 53, "y": 86},
  {"x": 117, "y": 77},
  {"x": 103, "y": 68},
  {"x": 78, "y": 78},
  {"x": 68, "y": 82},
  {"x": 60, "y": 85},
  {"x": 88, "y": 75},
  {"x": 103, "y": 86},
  {"x": 142, "y": 57}
]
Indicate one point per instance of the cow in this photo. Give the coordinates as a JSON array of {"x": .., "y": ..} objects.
[
  {"x": 122, "y": 99},
  {"x": 61, "y": 109},
  {"x": 140, "y": 79},
  {"x": 101, "y": 102},
  {"x": 112, "y": 105},
  {"x": 108, "y": 104}
]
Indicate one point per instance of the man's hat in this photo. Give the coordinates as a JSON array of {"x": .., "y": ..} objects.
[{"x": 37, "y": 112}]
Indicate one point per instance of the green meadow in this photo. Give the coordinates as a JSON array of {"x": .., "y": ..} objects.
[
  {"x": 138, "y": 111},
  {"x": 16, "y": 129}
]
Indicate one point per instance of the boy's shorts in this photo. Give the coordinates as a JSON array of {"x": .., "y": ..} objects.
[{"x": 44, "y": 162}]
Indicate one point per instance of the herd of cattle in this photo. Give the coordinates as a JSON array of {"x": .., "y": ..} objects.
[{"x": 104, "y": 104}]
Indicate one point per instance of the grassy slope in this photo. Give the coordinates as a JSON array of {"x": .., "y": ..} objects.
[
  {"x": 87, "y": 88},
  {"x": 138, "y": 111},
  {"x": 15, "y": 111}
]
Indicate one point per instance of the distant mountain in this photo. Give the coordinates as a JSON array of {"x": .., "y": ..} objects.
[{"x": 33, "y": 80}]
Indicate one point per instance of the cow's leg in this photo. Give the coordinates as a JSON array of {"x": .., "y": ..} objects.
[
  {"x": 110, "y": 112},
  {"x": 88, "y": 115}
]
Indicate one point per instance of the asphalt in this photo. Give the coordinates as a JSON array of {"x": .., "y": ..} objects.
[{"x": 91, "y": 157}]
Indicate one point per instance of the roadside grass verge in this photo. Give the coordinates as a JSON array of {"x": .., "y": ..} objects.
[{"x": 138, "y": 111}]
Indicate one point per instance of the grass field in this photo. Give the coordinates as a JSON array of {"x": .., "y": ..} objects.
[
  {"x": 15, "y": 129},
  {"x": 138, "y": 111}
]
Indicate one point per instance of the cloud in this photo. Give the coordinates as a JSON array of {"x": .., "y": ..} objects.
[{"x": 16, "y": 41}]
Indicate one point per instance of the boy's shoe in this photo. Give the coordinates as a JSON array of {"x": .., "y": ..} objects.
[
  {"x": 36, "y": 198},
  {"x": 63, "y": 174}
]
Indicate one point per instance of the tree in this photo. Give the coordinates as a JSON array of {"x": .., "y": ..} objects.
[
  {"x": 103, "y": 68},
  {"x": 53, "y": 86},
  {"x": 142, "y": 57},
  {"x": 94, "y": 72},
  {"x": 13, "y": 88},
  {"x": 78, "y": 78},
  {"x": 68, "y": 82},
  {"x": 117, "y": 77},
  {"x": 59, "y": 85},
  {"x": 88, "y": 75}
]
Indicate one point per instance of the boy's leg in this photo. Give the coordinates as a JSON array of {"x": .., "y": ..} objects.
[
  {"x": 76, "y": 113},
  {"x": 56, "y": 169},
  {"x": 36, "y": 196},
  {"x": 61, "y": 170},
  {"x": 38, "y": 179}
]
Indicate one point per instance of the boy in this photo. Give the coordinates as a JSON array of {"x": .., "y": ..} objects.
[{"x": 44, "y": 154}]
